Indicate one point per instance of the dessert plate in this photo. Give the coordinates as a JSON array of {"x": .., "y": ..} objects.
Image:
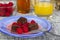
[{"x": 6, "y": 21}]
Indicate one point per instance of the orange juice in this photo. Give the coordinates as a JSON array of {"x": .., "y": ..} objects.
[{"x": 43, "y": 9}]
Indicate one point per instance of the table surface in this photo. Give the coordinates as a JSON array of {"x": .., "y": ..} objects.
[{"x": 55, "y": 21}]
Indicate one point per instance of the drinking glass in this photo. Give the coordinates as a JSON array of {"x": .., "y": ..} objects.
[{"x": 43, "y": 8}]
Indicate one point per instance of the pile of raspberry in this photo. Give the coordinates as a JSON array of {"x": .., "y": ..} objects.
[
  {"x": 23, "y": 26},
  {"x": 6, "y": 9}
]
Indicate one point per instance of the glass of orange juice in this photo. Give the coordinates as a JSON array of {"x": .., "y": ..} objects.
[{"x": 43, "y": 8}]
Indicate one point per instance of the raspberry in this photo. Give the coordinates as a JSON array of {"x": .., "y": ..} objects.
[
  {"x": 10, "y": 3},
  {"x": 25, "y": 25},
  {"x": 4, "y": 5},
  {"x": 14, "y": 23},
  {"x": 25, "y": 28},
  {"x": 10, "y": 10},
  {"x": 33, "y": 22},
  {"x": 1, "y": 4},
  {"x": 19, "y": 23},
  {"x": 19, "y": 30},
  {"x": 7, "y": 14},
  {"x": 2, "y": 9},
  {"x": 1, "y": 13},
  {"x": 5, "y": 9}
]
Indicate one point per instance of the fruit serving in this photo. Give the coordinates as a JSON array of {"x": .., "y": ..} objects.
[
  {"x": 6, "y": 9},
  {"x": 23, "y": 26}
]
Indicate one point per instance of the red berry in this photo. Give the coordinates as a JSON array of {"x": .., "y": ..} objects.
[
  {"x": 25, "y": 28},
  {"x": 7, "y": 14},
  {"x": 33, "y": 22},
  {"x": 19, "y": 23},
  {"x": 25, "y": 25},
  {"x": 1, "y": 13},
  {"x": 19, "y": 30},
  {"x": 4, "y": 5},
  {"x": 10, "y": 9},
  {"x": 1, "y": 4},
  {"x": 2, "y": 9},
  {"x": 14, "y": 23},
  {"x": 10, "y": 3}
]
